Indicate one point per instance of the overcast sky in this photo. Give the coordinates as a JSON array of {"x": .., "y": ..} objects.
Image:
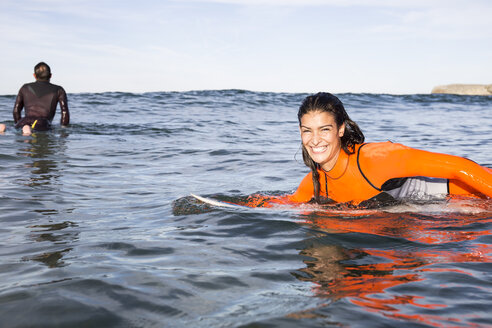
[{"x": 377, "y": 46}]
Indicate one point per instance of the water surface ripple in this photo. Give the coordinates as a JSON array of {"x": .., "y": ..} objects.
[{"x": 98, "y": 229}]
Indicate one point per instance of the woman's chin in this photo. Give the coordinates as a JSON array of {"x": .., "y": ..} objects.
[{"x": 319, "y": 160}]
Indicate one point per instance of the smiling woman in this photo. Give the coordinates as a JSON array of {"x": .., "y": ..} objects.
[
  {"x": 345, "y": 169},
  {"x": 325, "y": 129}
]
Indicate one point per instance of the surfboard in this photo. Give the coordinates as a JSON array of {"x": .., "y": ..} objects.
[
  {"x": 458, "y": 206},
  {"x": 218, "y": 203},
  {"x": 297, "y": 208}
]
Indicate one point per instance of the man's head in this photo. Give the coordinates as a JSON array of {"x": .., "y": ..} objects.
[{"x": 42, "y": 72}]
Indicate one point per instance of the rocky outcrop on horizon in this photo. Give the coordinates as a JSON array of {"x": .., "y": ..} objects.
[{"x": 465, "y": 89}]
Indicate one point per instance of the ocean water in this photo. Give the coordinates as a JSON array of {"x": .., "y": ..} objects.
[{"x": 98, "y": 228}]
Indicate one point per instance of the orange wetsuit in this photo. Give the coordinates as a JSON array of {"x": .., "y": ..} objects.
[{"x": 362, "y": 175}]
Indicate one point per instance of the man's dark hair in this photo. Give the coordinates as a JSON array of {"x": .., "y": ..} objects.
[{"x": 42, "y": 71}]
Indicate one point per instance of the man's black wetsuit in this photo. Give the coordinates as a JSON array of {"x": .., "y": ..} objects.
[{"x": 40, "y": 99}]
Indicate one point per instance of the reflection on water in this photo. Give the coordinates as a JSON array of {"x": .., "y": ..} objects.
[
  {"x": 46, "y": 150},
  {"x": 434, "y": 223},
  {"x": 375, "y": 279},
  {"x": 396, "y": 262},
  {"x": 58, "y": 238},
  {"x": 60, "y": 235},
  {"x": 51, "y": 259}
]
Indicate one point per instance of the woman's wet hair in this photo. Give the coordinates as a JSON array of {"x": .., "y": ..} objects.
[
  {"x": 42, "y": 71},
  {"x": 326, "y": 102}
]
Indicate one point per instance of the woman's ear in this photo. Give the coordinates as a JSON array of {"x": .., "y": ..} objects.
[{"x": 341, "y": 130}]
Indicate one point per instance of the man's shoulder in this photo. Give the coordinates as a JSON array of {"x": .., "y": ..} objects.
[
  {"x": 55, "y": 85},
  {"x": 25, "y": 87},
  {"x": 28, "y": 84},
  {"x": 58, "y": 87}
]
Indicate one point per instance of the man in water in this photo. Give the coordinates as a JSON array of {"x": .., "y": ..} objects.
[{"x": 40, "y": 99}]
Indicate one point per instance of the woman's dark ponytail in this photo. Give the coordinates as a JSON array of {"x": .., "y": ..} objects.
[
  {"x": 314, "y": 170},
  {"x": 352, "y": 136}
]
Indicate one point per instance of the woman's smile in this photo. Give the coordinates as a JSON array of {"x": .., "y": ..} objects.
[{"x": 318, "y": 149}]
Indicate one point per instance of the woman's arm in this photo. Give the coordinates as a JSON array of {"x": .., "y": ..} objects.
[
  {"x": 451, "y": 167},
  {"x": 303, "y": 194},
  {"x": 305, "y": 191},
  {"x": 396, "y": 161}
]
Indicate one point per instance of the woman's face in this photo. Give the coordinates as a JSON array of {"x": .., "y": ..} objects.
[{"x": 320, "y": 135}]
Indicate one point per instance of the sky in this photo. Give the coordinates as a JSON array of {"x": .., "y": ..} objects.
[{"x": 373, "y": 46}]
